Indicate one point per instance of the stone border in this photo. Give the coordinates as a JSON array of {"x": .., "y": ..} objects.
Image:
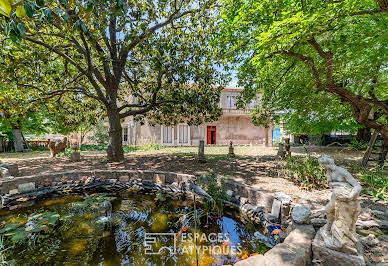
[{"x": 259, "y": 206}]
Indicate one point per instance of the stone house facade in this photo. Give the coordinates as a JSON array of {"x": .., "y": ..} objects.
[{"x": 233, "y": 125}]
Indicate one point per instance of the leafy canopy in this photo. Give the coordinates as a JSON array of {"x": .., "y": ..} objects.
[{"x": 282, "y": 49}]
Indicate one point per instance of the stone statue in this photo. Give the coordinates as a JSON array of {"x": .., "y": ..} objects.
[
  {"x": 231, "y": 150},
  {"x": 58, "y": 146},
  {"x": 339, "y": 233},
  {"x": 75, "y": 156}
]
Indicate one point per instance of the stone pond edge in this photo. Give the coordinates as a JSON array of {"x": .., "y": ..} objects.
[{"x": 258, "y": 205}]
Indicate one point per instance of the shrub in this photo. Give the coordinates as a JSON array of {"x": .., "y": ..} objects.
[
  {"x": 93, "y": 147},
  {"x": 214, "y": 187},
  {"x": 358, "y": 145},
  {"x": 66, "y": 153},
  {"x": 38, "y": 148},
  {"x": 375, "y": 184},
  {"x": 305, "y": 171},
  {"x": 146, "y": 147}
]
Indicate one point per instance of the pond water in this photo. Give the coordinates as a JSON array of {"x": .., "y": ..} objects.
[{"x": 80, "y": 230}]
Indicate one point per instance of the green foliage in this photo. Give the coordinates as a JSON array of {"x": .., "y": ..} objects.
[
  {"x": 66, "y": 153},
  {"x": 147, "y": 59},
  {"x": 100, "y": 133},
  {"x": 214, "y": 187},
  {"x": 127, "y": 149},
  {"x": 271, "y": 44},
  {"x": 3, "y": 249},
  {"x": 375, "y": 184},
  {"x": 93, "y": 201},
  {"x": 35, "y": 224},
  {"x": 358, "y": 144},
  {"x": 305, "y": 171}
]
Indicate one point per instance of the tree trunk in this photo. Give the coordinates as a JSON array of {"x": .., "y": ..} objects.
[
  {"x": 363, "y": 134},
  {"x": 17, "y": 138},
  {"x": 115, "y": 146}
]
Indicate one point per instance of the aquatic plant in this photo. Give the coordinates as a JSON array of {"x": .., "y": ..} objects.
[
  {"x": 214, "y": 187},
  {"x": 94, "y": 201},
  {"x": 2, "y": 251},
  {"x": 35, "y": 224}
]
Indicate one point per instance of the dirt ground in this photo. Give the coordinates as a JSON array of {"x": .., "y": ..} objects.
[{"x": 257, "y": 166}]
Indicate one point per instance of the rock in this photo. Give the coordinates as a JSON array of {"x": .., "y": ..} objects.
[
  {"x": 300, "y": 214},
  {"x": 243, "y": 200},
  {"x": 378, "y": 214},
  {"x": 13, "y": 169},
  {"x": 326, "y": 256},
  {"x": 285, "y": 255},
  {"x": 370, "y": 240},
  {"x": 283, "y": 198},
  {"x": 318, "y": 222},
  {"x": 366, "y": 224},
  {"x": 318, "y": 214},
  {"x": 270, "y": 218},
  {"x": 89, "y": 180},
  {"x": 26, "y": 187},
  {"x": 4, "y": 172},
  {"x": 252, "y": 261},
  {"x": 159, "y": 178},
  {"x": 124, "y": 178},
  {"x": 383, "y": 238}
]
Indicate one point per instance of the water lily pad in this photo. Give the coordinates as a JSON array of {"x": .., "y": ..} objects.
[
  {"x": 9, "y": 227},
  {"x": 20, "y": 235}
]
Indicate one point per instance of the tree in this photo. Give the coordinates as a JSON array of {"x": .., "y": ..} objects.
[
  {"x": 303, "y": 54},
  {"x": 148, "y": 59},
  {"x": 22, "y": 109}
]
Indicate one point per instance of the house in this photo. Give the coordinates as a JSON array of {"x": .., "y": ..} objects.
[{"x": 234, "y": 125}]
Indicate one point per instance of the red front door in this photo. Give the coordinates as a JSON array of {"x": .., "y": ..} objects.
[{"x": 211, "y": 134}]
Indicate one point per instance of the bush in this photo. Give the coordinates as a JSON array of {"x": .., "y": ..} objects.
[
  {"x": 146, "y": 147},
  {"x": 375, "y": 184},
  {"x": 214, "y": 188},
  {"x": 358, "y": 145},
  {"x": 65, "y": 153},
  {"x": 306, "y": 172},
  {"x": 93, "y": 147},
  {"x": 38, "y": 148}
]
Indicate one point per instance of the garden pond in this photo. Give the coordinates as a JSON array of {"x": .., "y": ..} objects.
[{"x": 123, "y": 228}]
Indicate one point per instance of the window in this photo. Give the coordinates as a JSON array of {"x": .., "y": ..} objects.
[
  {"x": 183, "y": 133},
  {"x": 125, "y": 134},
  {"x": 167, "y": 134},
  {"x": 230, "y": 102}
]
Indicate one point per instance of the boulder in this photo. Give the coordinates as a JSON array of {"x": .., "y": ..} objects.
[{"x": 301, "y": 214}]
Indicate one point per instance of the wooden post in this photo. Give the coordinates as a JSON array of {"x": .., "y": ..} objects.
[{"x": 368, "y": 152}]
